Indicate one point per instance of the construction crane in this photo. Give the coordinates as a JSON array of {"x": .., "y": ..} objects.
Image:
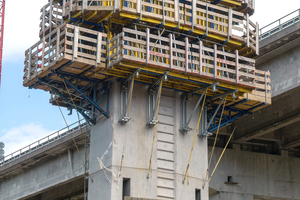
[{"x": 2, "y": 13}]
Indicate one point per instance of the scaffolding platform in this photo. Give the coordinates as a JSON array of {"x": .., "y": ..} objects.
[
  {"x": 44, "y": 58},
  {"x": 219, "y": 24},
  {"x": 84, "y": 56}
]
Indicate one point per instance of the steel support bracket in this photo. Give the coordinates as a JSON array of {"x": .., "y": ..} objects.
[
  {"x": 184, "y": 127},
  {"x": 204, "y": 133},
  {"x": 164, "y": 76},
  {"x": 81, "y": 111},
  {"x": 85, "y": 97},
  {"x": 152, "y": 103},
  {"x": 125, "y": 97}
]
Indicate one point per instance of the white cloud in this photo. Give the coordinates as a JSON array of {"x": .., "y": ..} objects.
[
  {"x": 18, "y": 137},
  {"x": 21, "y": 28}
]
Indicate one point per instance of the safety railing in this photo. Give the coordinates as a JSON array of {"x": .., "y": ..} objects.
[
  {"x": 55, "y": 14},
  {"x": 181, "y": 56},
  {"x": 67, "y": 42},
  {"x": 211, "y": 19},
  {"x": 72, "y": 6},
  {"x": 51, "y": 18},
  {"x": 262, "y": 92},
  {"x": 44, "y": 53},
  {"x": 44, "y": 142},
  {"x": 251, "y": 34},
  {"x": 251, "y": 3},
  {"x": 279, "y": 25}
]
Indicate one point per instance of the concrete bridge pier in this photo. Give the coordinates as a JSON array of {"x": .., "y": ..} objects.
[{"x": 170, "y": 156}]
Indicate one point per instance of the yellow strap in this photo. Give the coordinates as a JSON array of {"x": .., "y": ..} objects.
[
  {"x": 132, "y": 83},
  {"x": 131, "y": 91},
  {"x": 222, "y": 154},
  {"x": 150, "y": 162},
  {"x": 187, "y": 168},
  {"x": 212, "y": 151}
]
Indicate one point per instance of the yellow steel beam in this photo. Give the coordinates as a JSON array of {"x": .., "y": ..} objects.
[
  {"x": 182, "y": 27},
  {"x": 107, "y": 15},
  {"x": 248, "y": 52},
  {"x": 92, "y": 15},
  {"x": 231, "y": 2},
  {"x": 117, "y": 21},
  {"x": 74, "y": 16},
  {"x": 146, "y": 78},
  {"x": 187, "y": 77}
]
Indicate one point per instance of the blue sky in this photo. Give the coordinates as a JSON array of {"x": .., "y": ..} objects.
[{"x": 26, "y": 115}]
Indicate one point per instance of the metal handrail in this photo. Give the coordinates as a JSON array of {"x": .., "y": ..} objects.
[
  {"x": 282, "y": 24},
  {"x": 42, "y": 142}
]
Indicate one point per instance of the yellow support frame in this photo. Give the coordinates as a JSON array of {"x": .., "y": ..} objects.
[{"x": 184, "y": 76}]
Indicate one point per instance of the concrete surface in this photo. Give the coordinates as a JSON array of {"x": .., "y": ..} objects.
[
  {"x": 170, "y": 155},
  {"x": 261, "y": 175},
  {"x": 279, "y": 54}
]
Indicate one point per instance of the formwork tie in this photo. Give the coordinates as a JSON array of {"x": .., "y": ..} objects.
[
  {"x": 196, "y": 132},
  {"x": 156, "y": 116}
]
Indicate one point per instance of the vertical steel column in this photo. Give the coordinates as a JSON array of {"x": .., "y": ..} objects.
[
  {"x": 147, "y": 46},
  {"x": 237, "y": 78},
  {"x": 163, "y": 10},
  {"x": 50, "y": 30},
  {"x": 248, "y": 34},
  {"x": 200, "y": 57},
  {"x": 215, "y": 61},
  {"x": 98, "y": 53},
  {"x": 206, "y": 19},
  {"x": 118, "y": 47},
  {"x": 70, "y": 8},
  {"x": 63, "y": 9},
  {"x": 43, "y": 53},
  {"x": 266, "y": 88},
  {"x": 75, "y": 43},
  {"x": 37, "y": 59},
  {"x": 56, "y": 15},
  {"x": 44, "y": 21},
  {"x": 171, "y": 51},
  {"x": 229, "y": 24},
  {"x": 257, "y": 38},
  {"x": 194, "y": 6},
  {"x": 57, "y": 42},
  {"x": 84, "y": 5},
  {"x": 186, "y": 54},
  {"x": 29, "y": 64}
]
